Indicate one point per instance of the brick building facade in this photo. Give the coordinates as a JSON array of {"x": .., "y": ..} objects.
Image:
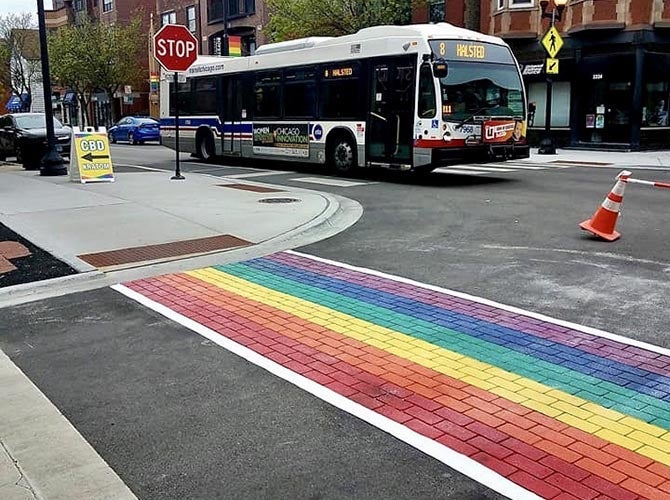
[
  {"x": 613, "y": 88},
  {"x": 205, "y": 18},
  {"x": 109, "y": 12}
]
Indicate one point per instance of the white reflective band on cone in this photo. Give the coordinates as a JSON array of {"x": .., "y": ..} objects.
[
  {"x": 610, "y": 205},
  {"x": 619, "y": 188}
]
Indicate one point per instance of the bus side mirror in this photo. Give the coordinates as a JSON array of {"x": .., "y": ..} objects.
[{"x": 440, "y": 69}]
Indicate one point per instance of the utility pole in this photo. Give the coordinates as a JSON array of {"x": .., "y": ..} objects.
[{"x": 52, "y": 163}]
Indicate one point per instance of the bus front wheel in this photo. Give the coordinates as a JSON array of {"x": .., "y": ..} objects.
[
  {"x": 342, "y": 155},
  {"x": 205, "y": 145}
]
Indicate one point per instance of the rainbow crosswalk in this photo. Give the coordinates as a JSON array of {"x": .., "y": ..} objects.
[{"x": 559, "y": 411}]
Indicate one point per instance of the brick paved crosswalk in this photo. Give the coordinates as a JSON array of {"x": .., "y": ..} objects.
[{"x": 561, "y": 412}]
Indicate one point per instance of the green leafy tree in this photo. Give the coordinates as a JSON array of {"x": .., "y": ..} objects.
[
  {"x": 89, "y": 57},
  {"x": 19, "y": 53},
  {"x": 291, "y": 19}
]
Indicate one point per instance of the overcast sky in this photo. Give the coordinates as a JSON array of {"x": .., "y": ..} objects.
[{"x": 7, "y": 6}]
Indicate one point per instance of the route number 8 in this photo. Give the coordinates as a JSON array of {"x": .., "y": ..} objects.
[{"x": 443, "y": 48}]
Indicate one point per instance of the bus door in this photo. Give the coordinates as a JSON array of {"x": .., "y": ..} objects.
[
  {"x": 391, "y": 116},
  {"x": 232, "y": 115}
]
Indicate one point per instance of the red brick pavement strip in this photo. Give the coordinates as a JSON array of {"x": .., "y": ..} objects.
[
  {"x": 245, "y": 322},
  {"x": 163, "y": 250}
]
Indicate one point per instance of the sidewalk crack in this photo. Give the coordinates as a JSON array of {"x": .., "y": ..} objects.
[{"x": 22, "y": 481}]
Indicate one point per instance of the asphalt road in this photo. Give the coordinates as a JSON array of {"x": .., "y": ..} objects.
[
  {"x": 177, "y": 417},
  {"x": 511, "y": 237}
]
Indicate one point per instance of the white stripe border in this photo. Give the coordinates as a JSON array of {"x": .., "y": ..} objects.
[
  {"x": 517, "y": 310},
  {"x": 447, "y": 456}
]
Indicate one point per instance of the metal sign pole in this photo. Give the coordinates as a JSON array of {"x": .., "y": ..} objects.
[{"x": 177, "y": 173}]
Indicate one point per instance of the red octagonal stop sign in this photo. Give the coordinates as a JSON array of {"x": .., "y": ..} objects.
[{"x": 175, "y": 47}]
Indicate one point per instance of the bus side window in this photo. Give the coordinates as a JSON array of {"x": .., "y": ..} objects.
[
  {"x": 268, "y": 95},
  {"x": 341, "y": 91},
  {"x": 204, "y": 96},
  {"x": 300, "y": 92},
  {"x": 183, "y": 97},
  {"x": 427, "y": 106}
]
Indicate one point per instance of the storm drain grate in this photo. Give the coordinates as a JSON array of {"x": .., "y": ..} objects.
[
  {"x": 250, "y": 187},
  {"x": 279, "y": 200},
  {"x": 132, "y": 255}
]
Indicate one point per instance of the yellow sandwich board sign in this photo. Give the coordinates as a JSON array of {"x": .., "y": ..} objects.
[
  {"x": 90, "y": 158},
  {"x": 552, "y": 66},
  {"x": 552, "y": 42}
]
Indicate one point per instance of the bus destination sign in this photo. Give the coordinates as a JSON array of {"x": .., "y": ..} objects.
[
  {"x": 334, "y": 72},
  {"x": 471, "y": 50},
  {"x": 460, "y": 50}
]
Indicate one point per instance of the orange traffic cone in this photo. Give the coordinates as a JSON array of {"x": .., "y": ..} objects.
[{"x": 604, "y": 220}]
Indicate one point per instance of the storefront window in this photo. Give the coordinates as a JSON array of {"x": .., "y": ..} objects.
[
  {"x": 560, "y": 103},
  {"x": 656, "y": 91}
]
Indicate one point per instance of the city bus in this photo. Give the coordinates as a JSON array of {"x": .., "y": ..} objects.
[{"x": 411, "y": 97}]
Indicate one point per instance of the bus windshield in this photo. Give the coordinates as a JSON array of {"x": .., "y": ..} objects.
[{"x": 476, "y": 89}]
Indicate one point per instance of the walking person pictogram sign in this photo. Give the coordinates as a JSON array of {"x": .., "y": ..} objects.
[{"x": 552, "y": 42}]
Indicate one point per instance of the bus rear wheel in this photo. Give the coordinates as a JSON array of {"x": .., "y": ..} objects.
[
  {"x": 204, "y": 145},
  {"x": 342, "y": 155}
]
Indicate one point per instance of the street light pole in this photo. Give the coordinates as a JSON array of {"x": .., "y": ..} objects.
[
  {"x": 547, "y": 146},
  {"x": 52, "y": 163}
]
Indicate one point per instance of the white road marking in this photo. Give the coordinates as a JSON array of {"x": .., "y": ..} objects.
[
  {"x": 258, "y": 174},
  {"x": 331, "y": 182},
  {"x": 529, "y": 167},
  {"x": 516, "y": 310},
  {"x": 491, "y": 168},
  {"x": 447, "y": 456},
  {"x": 606, "y": 255},
  {"x": 456, "y": 171}
]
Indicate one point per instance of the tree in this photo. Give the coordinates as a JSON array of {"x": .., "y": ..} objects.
[
  {"x": 291, "y": 19},
  {"x": 20, "y": 48},
  {"x": 89, "y": 57}
]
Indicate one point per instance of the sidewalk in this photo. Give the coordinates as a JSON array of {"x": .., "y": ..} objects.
[
  {"x": 650, "y": 159},
  {"x": 145, "y": 224}
]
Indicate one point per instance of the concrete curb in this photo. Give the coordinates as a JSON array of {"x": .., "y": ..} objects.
[{"x": 340, "y": 213}]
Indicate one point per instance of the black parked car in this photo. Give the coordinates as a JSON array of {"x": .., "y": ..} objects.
[{"x": 24, "y": 135}]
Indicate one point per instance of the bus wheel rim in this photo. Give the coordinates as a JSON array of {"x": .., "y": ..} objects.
[{"x": 343, "y": 155}]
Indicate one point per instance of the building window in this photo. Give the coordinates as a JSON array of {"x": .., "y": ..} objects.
[
  {"x": 241, "y": 7},
  {"x": 519, "y": 3},
  {"x": 107, "y": 5},
  {"x": 190, "y": 18},
  {"x": 500, "y": 4},
  {"x": 79, "y": 5},
  {"x": 436, "y": 11},
  {"x": 168, "y": 18}
]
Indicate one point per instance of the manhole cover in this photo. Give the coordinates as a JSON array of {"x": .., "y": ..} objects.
[{"x": 279, "y": 200}]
